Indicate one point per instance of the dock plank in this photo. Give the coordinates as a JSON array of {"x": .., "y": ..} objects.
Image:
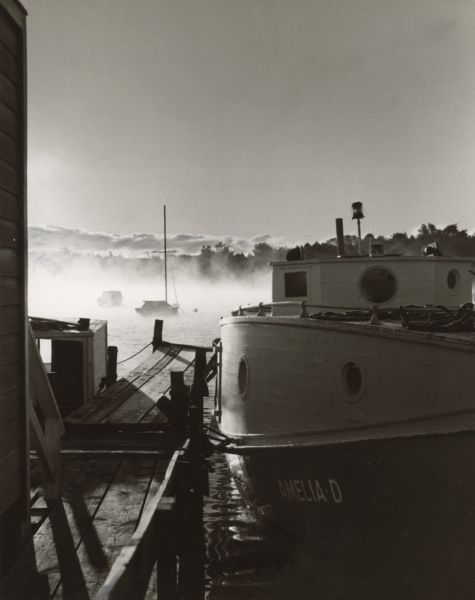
[
  {"x": 75, "y": 545},
  {"x": 102, "y": 414},
  {"x": 52, "y": 550},
  {"x": 115, "y": 520},
  {"x": 143, "y": 402},
  {"x": 98, "y": 410},
  {"x": 71, "y": 524}
]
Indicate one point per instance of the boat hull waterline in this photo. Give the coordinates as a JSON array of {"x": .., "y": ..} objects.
[
  {"x": 374, "y": 507},
  {"x": 154, "y": 308},
  {"x": 388, "y": 471}
]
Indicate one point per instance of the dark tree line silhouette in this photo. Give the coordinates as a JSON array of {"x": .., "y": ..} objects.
[{"x": 221, "y": 261}]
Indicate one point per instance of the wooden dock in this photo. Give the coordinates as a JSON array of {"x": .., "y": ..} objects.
[
  {"x": 126, "y": 471},
  {"x": 126, "y": 414}
]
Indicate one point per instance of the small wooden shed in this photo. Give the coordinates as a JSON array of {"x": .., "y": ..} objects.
[
  {"x": 14, "y": 441},
  {"x": 76, "y": 360}
]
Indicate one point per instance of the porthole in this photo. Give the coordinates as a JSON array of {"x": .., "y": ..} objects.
[
  {"x": 453, "y": 278},
  {"x": 243, "y": 377},
  {"x": 353, "y": 381},
  {"x": 378, "y": 284}
]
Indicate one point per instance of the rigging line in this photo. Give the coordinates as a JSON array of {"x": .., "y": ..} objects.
[
  {"x": 138, "y": 352},
  {"x": 174, "y": 286}
]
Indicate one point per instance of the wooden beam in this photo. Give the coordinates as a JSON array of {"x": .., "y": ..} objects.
[
  {"x": 45, "y": 433},
  {"x": 42, "y": 392}
]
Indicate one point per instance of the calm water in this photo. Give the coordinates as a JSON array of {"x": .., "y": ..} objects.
[{"x": 244, "y": 560}]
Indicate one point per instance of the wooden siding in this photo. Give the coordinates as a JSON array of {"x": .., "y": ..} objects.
[
  {"x": 9, "y": 121},
  {"x": 9, "y": 208},
  {"x": 10, "y": 349},
  {"x": 10, "y": 320},
  {"x": 13, "y": 416}
]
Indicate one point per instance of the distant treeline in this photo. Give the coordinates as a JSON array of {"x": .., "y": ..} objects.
[
  {"x": 220, "y": 261},
  {"x": 451, "y": 240}
]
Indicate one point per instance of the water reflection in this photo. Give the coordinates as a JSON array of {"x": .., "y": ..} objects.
[{"x": 245, "y": 560}]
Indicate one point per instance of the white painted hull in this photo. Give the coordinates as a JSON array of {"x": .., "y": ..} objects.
[
  {"x": 296, "y": 389},
  {"x": 381, "y": 486}
]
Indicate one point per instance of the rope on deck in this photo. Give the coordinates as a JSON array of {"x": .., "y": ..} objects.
[{"x": 134, "y": 355}]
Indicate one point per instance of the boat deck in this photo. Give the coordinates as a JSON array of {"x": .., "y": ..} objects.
[{"x": 382, "y": 328}]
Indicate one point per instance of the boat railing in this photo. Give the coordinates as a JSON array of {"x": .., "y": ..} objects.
[
  {"x": 263, "y": 308},
  {"x": 373, "y": 311}
]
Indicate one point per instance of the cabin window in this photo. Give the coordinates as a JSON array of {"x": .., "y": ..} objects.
[
  {"x": 243, "y": 377},
  {"x": 378, "y": 285},
  {"x": 453, "y": 278},
  {"x": 295, "y": 284}
]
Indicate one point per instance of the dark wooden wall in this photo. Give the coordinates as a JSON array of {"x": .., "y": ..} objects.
[{"x": 14, "y": 484}]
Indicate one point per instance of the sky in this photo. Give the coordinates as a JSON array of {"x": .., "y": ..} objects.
[{"x": 251, "y": 117}]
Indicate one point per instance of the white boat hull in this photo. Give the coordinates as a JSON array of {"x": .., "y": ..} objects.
[
  {"x": 296, "y": 382},
  {"x": 380, "y": 483}
]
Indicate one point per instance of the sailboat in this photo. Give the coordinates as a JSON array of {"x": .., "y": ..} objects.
[{"x": 160, "y": 307}]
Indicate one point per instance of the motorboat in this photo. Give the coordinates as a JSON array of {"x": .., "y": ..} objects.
[
  {"x": 348, "y": 408},
  {"x": 110, "y": 298}
]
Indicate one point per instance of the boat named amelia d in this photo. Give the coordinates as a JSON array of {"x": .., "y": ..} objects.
[{"x": 349, "y": 404}]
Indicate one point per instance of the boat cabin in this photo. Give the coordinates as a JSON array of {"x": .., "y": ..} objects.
[{"x": 363, "y": 281}]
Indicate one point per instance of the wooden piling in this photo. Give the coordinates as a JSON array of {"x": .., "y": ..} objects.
[
  {"x": 111, "y": 374},
  {"x": 199, "y": 387},
  {"x": 167, "y": 572},
  {"x": 189, "y": 512},
  {"x": 157, "y": 334},
  {"x": 179, "y": 401}
]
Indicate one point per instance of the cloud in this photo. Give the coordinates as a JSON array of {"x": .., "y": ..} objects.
[{"x": 49, "y": 239}]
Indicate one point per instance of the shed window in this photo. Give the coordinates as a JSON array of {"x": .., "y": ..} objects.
[{"x": 295, "y": 284}]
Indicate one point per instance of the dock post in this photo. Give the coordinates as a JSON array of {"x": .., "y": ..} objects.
[
  {"x": 199, "y": 387},
  {"x": 157, "y": 334},
  {"x": 111, "y": 374},
  {"x": 166, "y": 555},
  {"x": 191, "y": 551},
  {"x": 178, "y": 402}
]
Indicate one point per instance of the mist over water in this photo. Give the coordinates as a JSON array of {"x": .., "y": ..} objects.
[
  {"x": 242, "y": 558},
  {"x": 73, "y": 293}
]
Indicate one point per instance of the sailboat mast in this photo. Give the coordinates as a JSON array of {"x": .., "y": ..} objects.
[{"x": 165, "y": 249}]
